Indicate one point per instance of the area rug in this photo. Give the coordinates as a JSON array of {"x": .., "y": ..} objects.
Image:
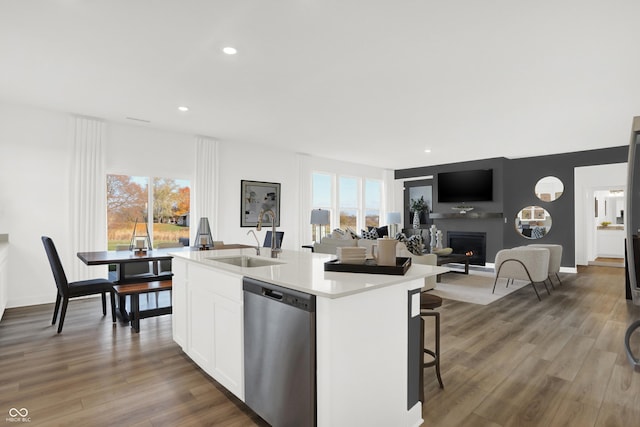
[{"x": 474, "y": 287}]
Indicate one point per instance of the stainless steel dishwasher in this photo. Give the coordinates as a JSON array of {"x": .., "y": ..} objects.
[{"x": 280, "y": 353}]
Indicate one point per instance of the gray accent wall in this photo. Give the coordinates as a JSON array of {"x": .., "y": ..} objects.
[{"x": 513, "y": 189}]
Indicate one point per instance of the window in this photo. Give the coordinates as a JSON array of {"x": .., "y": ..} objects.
[
  {"x": 357, "y": 201},
  {"x": 348, "y": 192},
  {"x": 165, "y": 210},
  {"x": 372, "y": 202}
]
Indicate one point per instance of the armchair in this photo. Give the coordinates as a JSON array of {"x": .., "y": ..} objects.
[{"x": 523, "y": 263}]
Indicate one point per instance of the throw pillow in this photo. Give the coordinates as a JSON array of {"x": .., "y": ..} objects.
[
  {"x": 371, "y": 235},
  {"x": 352, "y": 233},
  {"x": 414, "y": 244},
  {"x": 383, "y": 231}
]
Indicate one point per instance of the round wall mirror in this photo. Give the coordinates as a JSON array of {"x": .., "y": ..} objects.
[
  {"x": 549, "y": 188},
  {"x": 533, "y": 222}
]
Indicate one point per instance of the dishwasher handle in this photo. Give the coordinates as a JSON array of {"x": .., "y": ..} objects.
[
  {"x": 279, "y": 294},
  {"x": 272, "y": 294}
]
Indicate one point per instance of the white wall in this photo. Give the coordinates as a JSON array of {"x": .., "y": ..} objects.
[
  {"x": 238, "y": 161},
  {"x": 142, "y": 151},
  {"x": 35, "y": 153},
  {"x": 34, "y": 197}
]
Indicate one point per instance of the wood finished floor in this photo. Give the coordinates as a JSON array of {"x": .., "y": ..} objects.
[{"x": 516, "y": 362}]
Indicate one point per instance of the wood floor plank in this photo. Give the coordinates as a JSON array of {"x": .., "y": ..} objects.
[
  {"x": 569, "y": 361},
  {"x": 575, "y": 414},
  {"x": 617, "y": 415}
]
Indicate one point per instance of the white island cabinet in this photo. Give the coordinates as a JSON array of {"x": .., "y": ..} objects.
[
  {"x": 363, "y": 330},
  {"x": 207, "y": 321}
]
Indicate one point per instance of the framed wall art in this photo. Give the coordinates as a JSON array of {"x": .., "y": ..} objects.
[{"x": 256, "y": 196}]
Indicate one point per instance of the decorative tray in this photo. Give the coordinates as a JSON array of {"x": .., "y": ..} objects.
[{"x": 370, "y": 267}]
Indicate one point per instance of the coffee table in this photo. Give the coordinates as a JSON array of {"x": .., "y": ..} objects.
[{"x": 454, "y": 258}]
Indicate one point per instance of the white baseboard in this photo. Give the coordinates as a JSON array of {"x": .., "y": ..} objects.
[{"x": 37, "y": 300}]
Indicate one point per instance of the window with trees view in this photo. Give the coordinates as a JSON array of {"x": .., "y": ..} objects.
[{"x": 165, "y": 209}]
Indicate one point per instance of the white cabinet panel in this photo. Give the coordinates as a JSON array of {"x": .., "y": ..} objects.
[
  {"x": 207, "y": 321},
  {"x": 610, "y": 243},
  {"x": 201, "y": 304},
  {"x": 228, "y": 344},
  {"x": 179, "y": 303}
]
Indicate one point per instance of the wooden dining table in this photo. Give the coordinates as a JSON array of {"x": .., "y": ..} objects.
[
  {"x": 129, "y": 259},
  {"x": 126, "y": 260}
]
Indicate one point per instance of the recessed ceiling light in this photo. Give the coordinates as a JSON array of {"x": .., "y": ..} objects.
[
  {"x": 183, "y": 108},
  {"x": 428, "y": 150},
  {"x": 230, "y": 50}
]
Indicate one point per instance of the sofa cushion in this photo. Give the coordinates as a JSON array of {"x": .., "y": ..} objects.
[
  {"x": 367, "y": 243},
  {"x": 372, "y": 234},
  {"x": 328, "y": 245},
  {"x": 338, "y": 233}
]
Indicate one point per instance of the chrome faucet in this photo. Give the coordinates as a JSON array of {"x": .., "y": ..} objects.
[
  {"x": 257, "y": 247},
  {"x": 274, "y": 249}
]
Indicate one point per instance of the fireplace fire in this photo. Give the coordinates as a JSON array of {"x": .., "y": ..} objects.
[{"x": 471, "y": 243}]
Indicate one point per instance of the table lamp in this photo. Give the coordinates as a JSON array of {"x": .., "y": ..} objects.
[
  {"x": 140, "y": 243},
  {"x": 203, "y": 238},
  {"x": 393, "y": 219},
  {"x": 319, "y": 218}
]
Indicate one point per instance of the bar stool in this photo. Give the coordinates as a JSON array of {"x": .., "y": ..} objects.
[{"x": 429, "y": 302}]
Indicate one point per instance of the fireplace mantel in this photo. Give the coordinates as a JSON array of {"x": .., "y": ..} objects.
[{"x": 468, "y": 215}]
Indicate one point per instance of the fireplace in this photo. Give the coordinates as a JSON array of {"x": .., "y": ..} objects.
[{"x": 469, "y": 242}]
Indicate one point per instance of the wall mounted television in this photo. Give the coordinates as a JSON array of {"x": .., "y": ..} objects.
[{"x": 465, "y": 186}]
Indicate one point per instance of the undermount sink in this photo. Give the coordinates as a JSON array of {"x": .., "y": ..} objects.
[{"x": 246, "y": 261}]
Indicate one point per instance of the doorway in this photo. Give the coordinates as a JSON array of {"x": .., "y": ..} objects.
[{"x": 600, "y": 197}]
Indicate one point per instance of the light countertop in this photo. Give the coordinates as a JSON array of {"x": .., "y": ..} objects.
[{"x": 304, "y": 271}]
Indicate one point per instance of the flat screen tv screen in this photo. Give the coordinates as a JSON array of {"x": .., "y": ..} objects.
[{"x": 465, "y": 186}]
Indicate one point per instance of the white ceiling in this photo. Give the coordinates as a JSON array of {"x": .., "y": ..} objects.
[{"x": 369, "y": 81}]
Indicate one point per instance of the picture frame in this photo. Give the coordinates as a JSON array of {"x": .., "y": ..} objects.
[{"x": 255, "y": 196}]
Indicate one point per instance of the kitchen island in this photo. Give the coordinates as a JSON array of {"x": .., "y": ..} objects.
[{"x": 367, "y": 361}]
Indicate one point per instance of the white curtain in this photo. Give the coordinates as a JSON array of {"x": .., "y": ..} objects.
[
  {"x": 204, "y": 196},
  {"x": 389, "y": 203},
  {"x": 304, "y": 199},
  {"x": 88, "y": 197}
]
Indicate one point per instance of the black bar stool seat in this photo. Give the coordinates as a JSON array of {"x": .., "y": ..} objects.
[{"x": 428, "y": 304}]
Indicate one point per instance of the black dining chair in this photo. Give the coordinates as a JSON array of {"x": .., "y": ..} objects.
[
  {"x": 267, "y": 239},
  {"x": 80, "y": 288}
]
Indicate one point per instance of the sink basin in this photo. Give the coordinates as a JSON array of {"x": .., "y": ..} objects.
[{"x": 246, "y": 261}]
